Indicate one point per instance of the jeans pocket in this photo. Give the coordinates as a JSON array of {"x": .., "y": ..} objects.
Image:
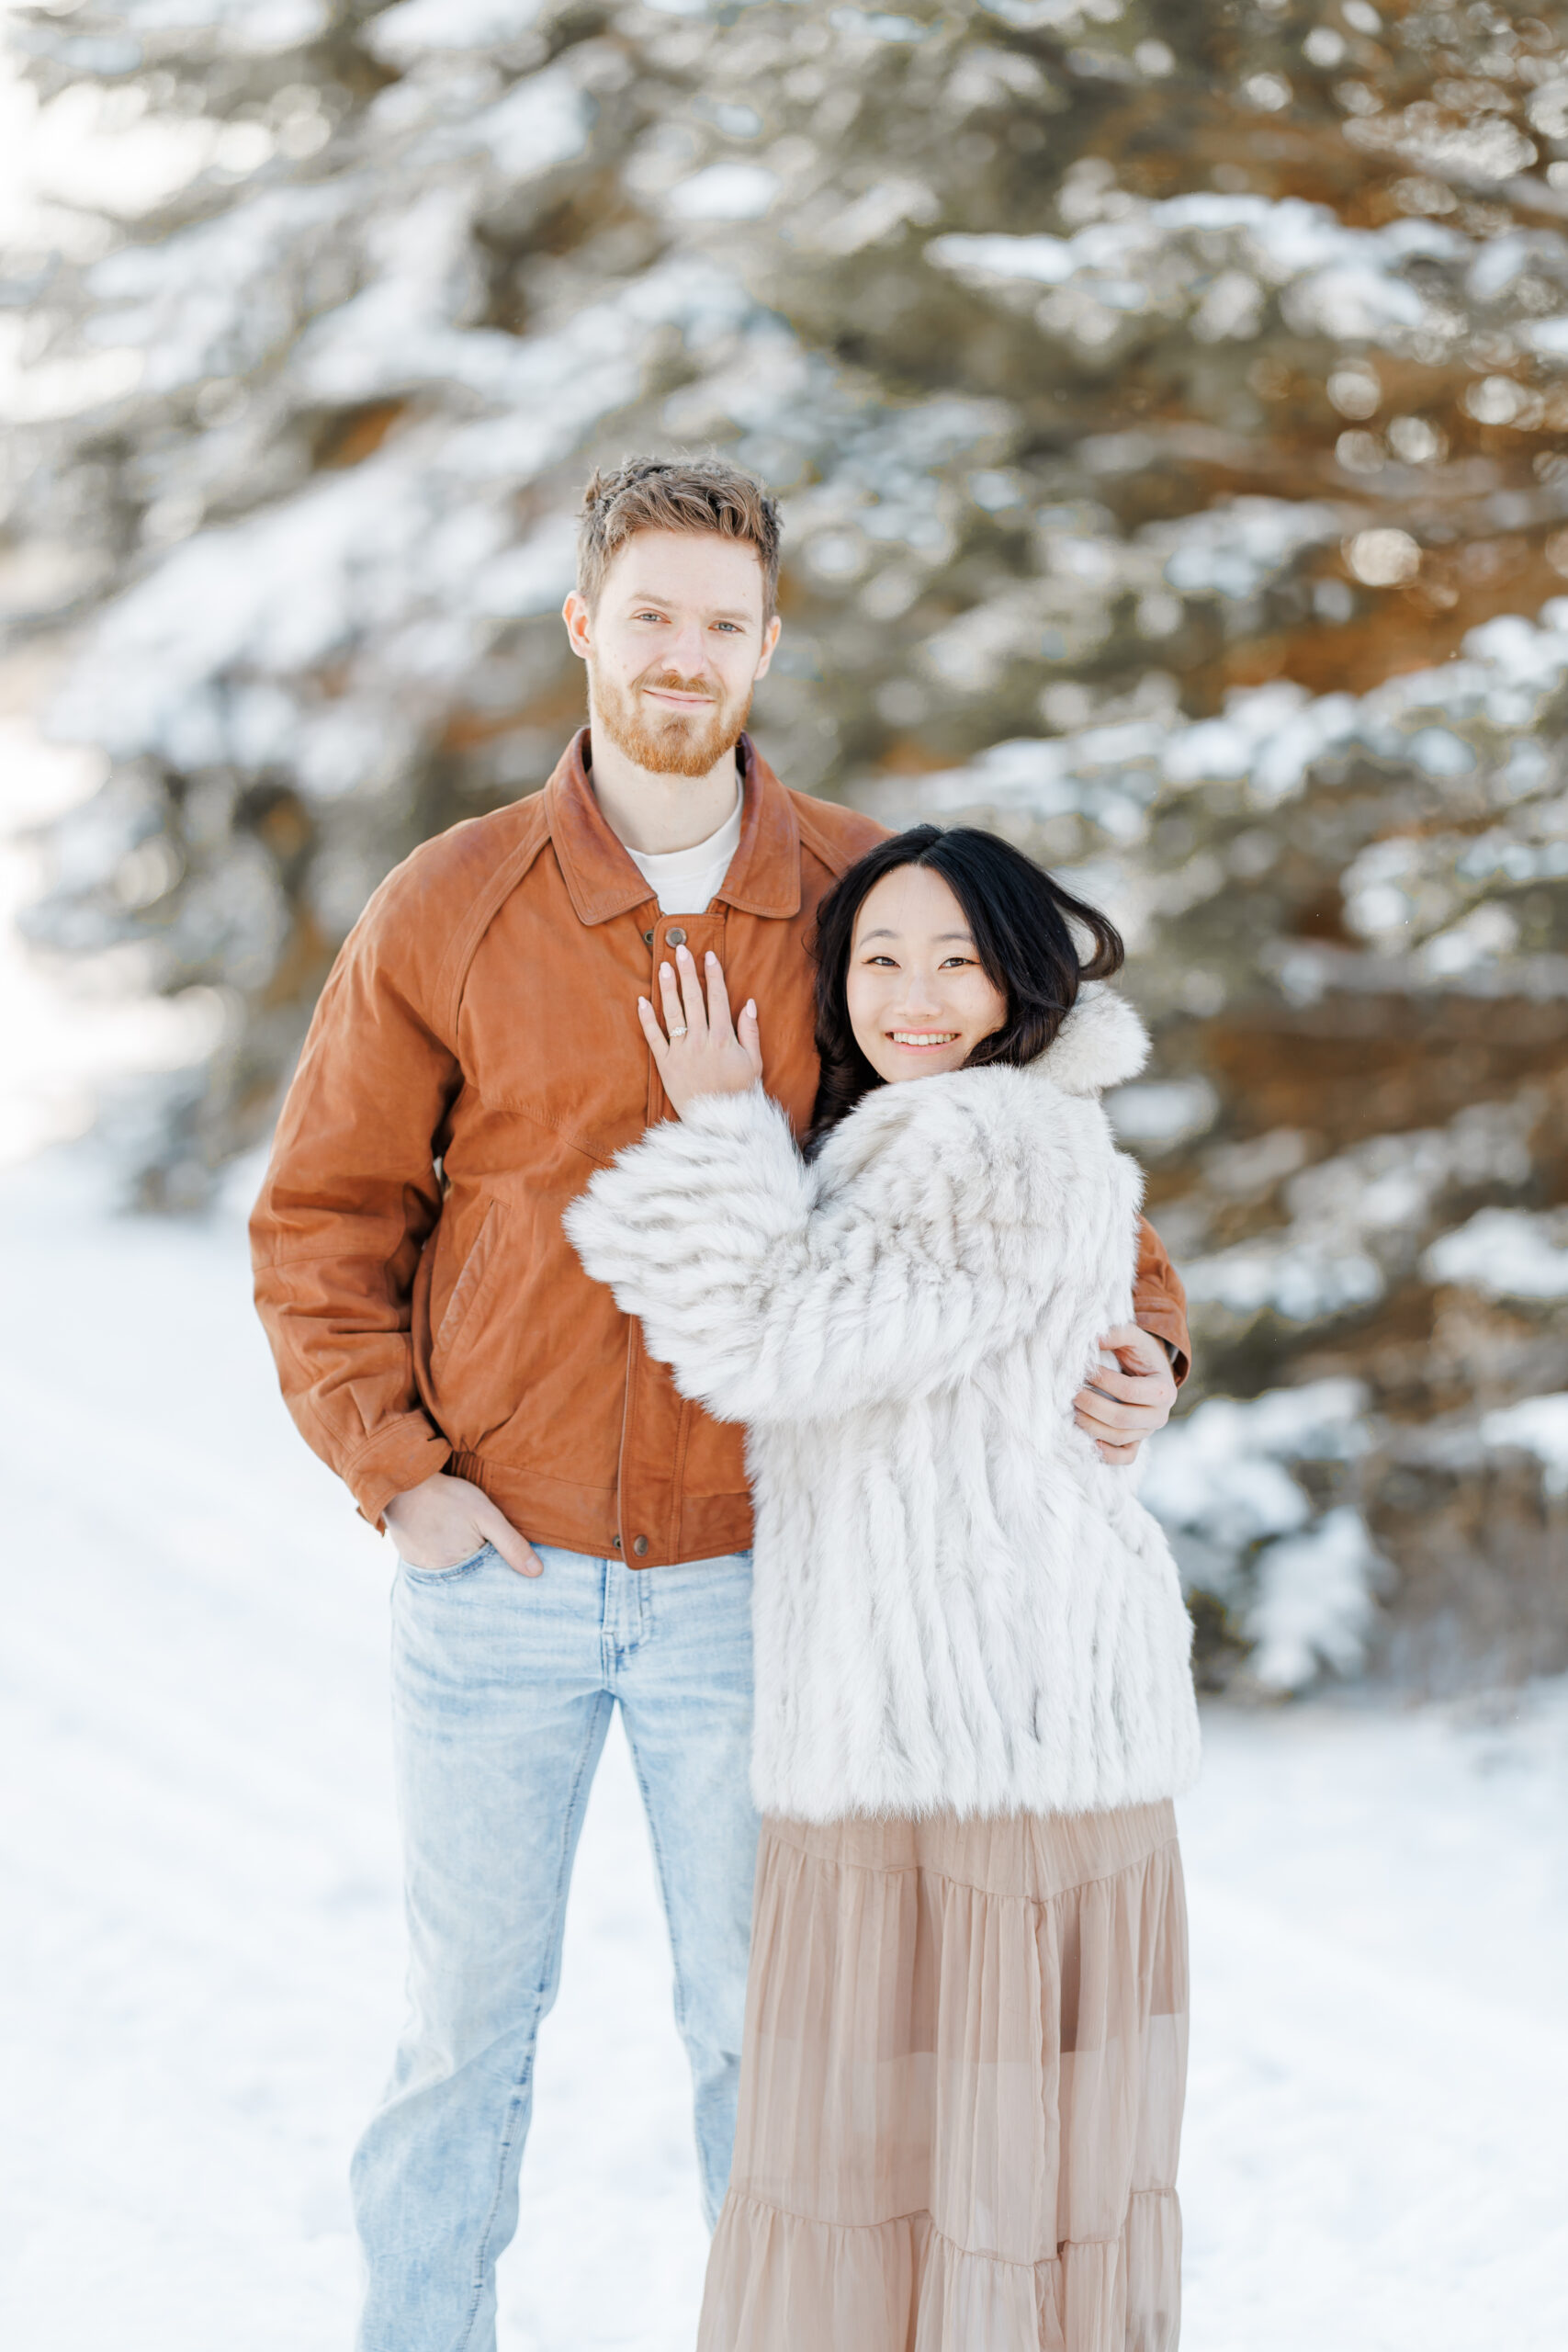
[{"x": 446, "y": 1575}]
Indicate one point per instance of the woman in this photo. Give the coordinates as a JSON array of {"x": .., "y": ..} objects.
[{"x": 965, "y": 2033}]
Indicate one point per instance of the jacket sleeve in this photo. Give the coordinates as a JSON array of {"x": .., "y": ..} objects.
[
  {"x": 350, "y": 1195},
  {"x": 773, "y": 1306},
  {"x": 1159, "y": 1301}
]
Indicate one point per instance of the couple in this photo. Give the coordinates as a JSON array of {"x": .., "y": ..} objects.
[{"x": 932, "y": 1333}]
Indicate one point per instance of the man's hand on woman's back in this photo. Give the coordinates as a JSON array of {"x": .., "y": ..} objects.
[{"x": 1122, "y": 1406}]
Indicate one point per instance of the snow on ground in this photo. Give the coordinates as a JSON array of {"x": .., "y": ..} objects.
[
  {"x": 200, "y": 1961},
  {"x": 1373, "y": 2153}
]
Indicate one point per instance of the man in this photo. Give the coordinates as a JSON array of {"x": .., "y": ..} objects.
[{"x": 572, "y": 1532}]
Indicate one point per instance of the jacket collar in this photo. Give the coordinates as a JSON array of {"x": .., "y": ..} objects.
[{"x": 764, "y": 873}]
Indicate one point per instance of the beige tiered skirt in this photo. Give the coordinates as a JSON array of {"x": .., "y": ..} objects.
[{"x": 961, "y": 2094}]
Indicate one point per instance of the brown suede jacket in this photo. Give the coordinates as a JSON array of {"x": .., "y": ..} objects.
[{"x": 474, "y": 1056}]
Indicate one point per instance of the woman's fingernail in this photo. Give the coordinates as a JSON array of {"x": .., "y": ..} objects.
[
  {"x": 710, "y": 957},
  {"x": 751, "y": 1008}
]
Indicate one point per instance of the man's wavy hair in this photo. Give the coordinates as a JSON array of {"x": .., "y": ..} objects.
[
  {"x": 1022, "y": 925},
  {"x": 674, "y": 494}
]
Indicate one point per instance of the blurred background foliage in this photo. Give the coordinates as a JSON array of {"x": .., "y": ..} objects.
[{"x": 1169, "y": 404}]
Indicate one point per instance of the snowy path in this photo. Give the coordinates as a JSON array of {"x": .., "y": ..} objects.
[{"x": 198, "y": 1944}]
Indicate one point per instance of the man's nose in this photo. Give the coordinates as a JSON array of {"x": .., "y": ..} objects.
[{"x": 688, "y": 648}]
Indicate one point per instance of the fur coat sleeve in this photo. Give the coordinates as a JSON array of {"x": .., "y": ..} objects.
[{"x": 941, "y": 1216}]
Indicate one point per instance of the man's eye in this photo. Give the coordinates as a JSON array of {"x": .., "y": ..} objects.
[{"x": 647, "y": 616}]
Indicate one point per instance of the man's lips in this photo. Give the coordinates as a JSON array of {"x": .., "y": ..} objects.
[{"x": 680, "y": 701}]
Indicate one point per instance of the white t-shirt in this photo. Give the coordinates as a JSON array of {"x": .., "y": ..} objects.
[{"x": 685, "y": 879}]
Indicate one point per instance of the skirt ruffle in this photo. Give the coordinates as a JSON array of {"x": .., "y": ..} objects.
[{"x": 962, "y": 2089}]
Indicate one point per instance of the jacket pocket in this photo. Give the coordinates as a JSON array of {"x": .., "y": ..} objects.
[{"x": 466, "y": 1291}]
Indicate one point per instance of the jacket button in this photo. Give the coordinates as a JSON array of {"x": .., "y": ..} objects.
[
  {"x": 677, "y": 937},
  {"x": 639, "y": 1546},
  {"x": 616, "y": 1542},
  {"x": 647, "y": 938}
]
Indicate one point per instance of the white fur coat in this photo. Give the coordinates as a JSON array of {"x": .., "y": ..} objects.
[{"x": 956, "y": 1603}]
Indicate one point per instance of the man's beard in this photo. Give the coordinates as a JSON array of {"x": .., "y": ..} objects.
[{"x": 674, "y": 743}]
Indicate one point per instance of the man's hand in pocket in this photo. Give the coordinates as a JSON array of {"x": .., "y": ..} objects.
[{"x": 443, "y": 1521}]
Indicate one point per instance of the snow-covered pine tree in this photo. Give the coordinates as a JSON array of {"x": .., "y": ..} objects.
[{"x": 1169, "y": 404}]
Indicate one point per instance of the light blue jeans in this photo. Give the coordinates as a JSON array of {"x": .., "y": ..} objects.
[{"x": 503, "y": 1688}]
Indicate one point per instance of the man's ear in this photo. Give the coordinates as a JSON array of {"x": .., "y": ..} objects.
[
  {"x": 578, "y": 626},
  {"x": 770, "y": 640}
]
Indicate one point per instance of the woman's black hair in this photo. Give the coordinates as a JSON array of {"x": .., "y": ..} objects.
[{"x": 1018, "y": 919}]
